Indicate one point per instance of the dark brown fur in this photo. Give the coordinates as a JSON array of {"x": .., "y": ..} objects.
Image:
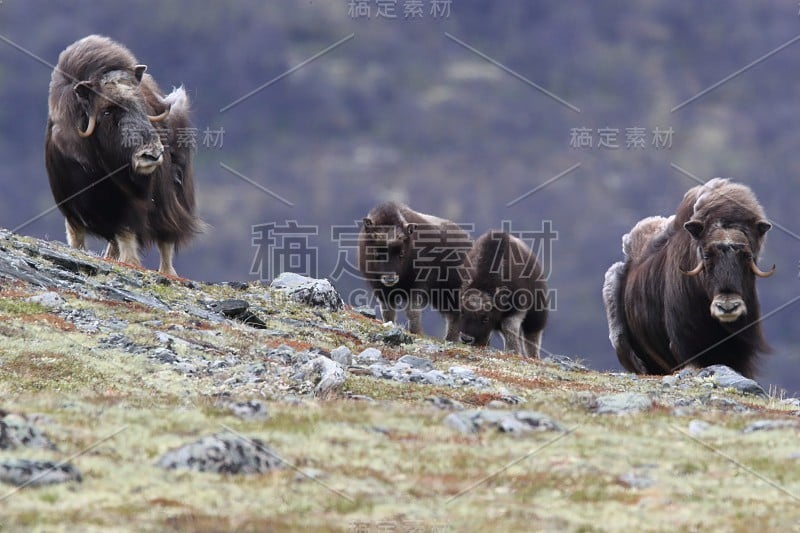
[
  {"x": 411, "y": 260},
  {"x": 660, "y": 318},
  {"x": 155, "y": 207},
  {"x": 504, "y": 291}
]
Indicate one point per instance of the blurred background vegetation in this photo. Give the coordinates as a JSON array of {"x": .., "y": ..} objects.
[{"x": 402, "y": 111}]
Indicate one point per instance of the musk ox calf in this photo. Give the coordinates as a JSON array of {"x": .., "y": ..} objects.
[
  {"x": 504, "y": 290},
  {"x": 412, "y": 260},
  {"x": 686, "y": 292},
  {"x": 111, "y": 172}
]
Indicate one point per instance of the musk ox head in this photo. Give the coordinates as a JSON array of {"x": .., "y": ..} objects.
[
  {"x": 388, "y": 250},
  {"x": 726, "y": 265},
  {"x": 479, "y": 314},
  {"x": 116, "y": 121}
]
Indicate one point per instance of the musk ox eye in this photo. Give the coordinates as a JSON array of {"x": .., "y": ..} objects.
[{"x": 485, "y": 320}]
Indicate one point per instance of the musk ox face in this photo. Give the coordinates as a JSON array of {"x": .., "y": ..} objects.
[
  {"x": 727, "y": 266},
  {"x": 389, "y": 250},
  {"x": 117, "y": 123},
  {"x": 479, "y": 315}
]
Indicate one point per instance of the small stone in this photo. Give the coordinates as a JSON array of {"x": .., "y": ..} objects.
[
  {"x": 16, "y": 431},
  {"x": 49, "y": 299},
  {"x": 342, "y": 355},
  {"x": 444, "y": 403},
  {"x": 223, "y": 454},
  {"x": 697, "y": 427},
  {"x": 282, "y": 354},
  {"x": 164, "y": 355},
  {"x": 416, "y": 362},
  {"x": 669, "y": 381},
  {"x": 435, "y": 377},
  {"x": 327, "y": 375},
  {"x": 229, "y": 308},
  {"x": 396, "y": 337},
  {"x": 370, "y": 356},
  {"x": 770, "y": 425},
  {"x": 309, "y": 291},
  {"x": 635, "y": 481},
  {"x": 366, "y": 311},
  {"x": 29, "y": 473},
  {"x": 725, "y": 377},
  {"x": 622, "y": 403},
  {"x": 461, "y": 372},
  {"x": 252, "y": 410}
]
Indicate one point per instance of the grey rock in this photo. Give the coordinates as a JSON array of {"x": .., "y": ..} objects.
[
  {"x": 635, "y": 480},
  {"x": 461, "y": 372},
  {"x": 16, "y": 431},
  {"x": 506, "y": 421},
  {"x": 697, "y": 427},
  {"x": 394, "y": 337},
  {"x": 223, "y": 454},
  {"x": 24, "y": 472},
  {"x": 165, "y": 355},
  {"x": 48, "y": 299},
  {"x": 622, "y": 403},
  {"x": 342, "y": 355},
  {"x": 252, "y": 410},
  {"x": 366, "y": 311},
  {"x": 370, "y": 356},
  {"x": 566, "y": 363},
  {"x": 419, "y": 363},
  {"x": 434, "y": 377},
  {"x": 72, "y": 264},
  {"x": 328, "y": 375},
  {"x": 229, "y": 308},
  {"x": 445, "y": 403},
  {"x": 770, "y": 425},
  {"x": 725, "y": 377},
  {"x": 310, "y": 291},
  {"x": 184, "y": 367},
  {"x": 282, "y": 354}
]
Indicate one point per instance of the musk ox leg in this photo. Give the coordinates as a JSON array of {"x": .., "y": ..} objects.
[
  {"x": 388, "y": 313},
  {"x": 112, "y": 250},
  {"x": 533, "y": 343},
  {"x": 128, "y": 248},
  {"x": 167, "y": 251},
  {"x": 452, "y": 333},
  {"x": 76, "y": 235},
  {"x": 414, "y": 315},
  {"x": 511, "y": 328}
]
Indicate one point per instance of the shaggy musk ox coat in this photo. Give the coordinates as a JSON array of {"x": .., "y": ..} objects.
[
  {"x": 412, "y": 260},
  {"x": 111, "y": 172},
  {"x": 686, "y": 292},
  {"x": 504, "y": 291}
]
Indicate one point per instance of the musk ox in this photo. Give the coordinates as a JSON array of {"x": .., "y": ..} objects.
[
  {"x": 686, "y": 292},
  {"x": 412, "y": 260},
  {"x": 112, "y": 173},
  {"x": 504, "y": 290}
]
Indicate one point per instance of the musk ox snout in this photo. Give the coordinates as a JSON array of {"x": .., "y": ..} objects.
[
  {"x": 467, "y": 339},
  {"x": 390, "y": 280},
  {"x": 148, "y": 158},
  {"x": 728, "y": 307}
]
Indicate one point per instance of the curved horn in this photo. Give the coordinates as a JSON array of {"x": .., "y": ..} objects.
[
  {"x": 693, "y": 272},
  {"x": 89, "y": 127},
  {"x": 760, "y": 273},
  {"x": 162, "y": 116}
]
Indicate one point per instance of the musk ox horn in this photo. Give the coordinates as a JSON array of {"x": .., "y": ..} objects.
[
  {"x": 162, "y": 116},
  {"x": 89, "y": 127},
  {"x": 760, "y": 273},
  {"x": 693, "y": 272}
]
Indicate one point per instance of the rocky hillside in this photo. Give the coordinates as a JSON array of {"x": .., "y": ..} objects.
[{"x": 134, "y": 401}]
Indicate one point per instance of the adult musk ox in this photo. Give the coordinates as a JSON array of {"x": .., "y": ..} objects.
[
  {"x": 504, "y": 290},
  {"x": 111, "y": 172},
  {"x": 686, "y": 292},
  {"x": 412, "y": 260}
]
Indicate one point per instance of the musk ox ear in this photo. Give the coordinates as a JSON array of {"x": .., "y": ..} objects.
[
  {"x": 84, "y": 91},
  {"x": 763, "y": 227},
  {"x": 138, "y": 71},
  {"x": 409, "y": 228},
  {"x": 694, "y": 227},
  {"x": 367, "y": 222}
]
